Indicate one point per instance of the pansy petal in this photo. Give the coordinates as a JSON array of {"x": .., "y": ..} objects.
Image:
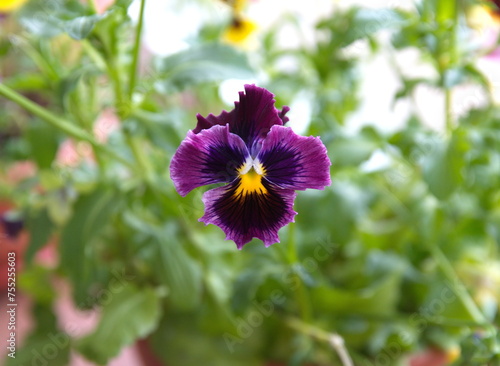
[
  {"x": 255, "y": 114},
  {"x": 294, "y": 162},
  {"x": 243, "y": 216},
  {"x": 225, "y": 118},
  {"x": 211, "y": 156},
  {"x": 283, "y": 113},
  {"x": 252, "y": 117}
]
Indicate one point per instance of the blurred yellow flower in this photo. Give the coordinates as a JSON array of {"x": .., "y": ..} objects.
[
  {"x": 453, "y": 353},
  {"x": 480, "y": 17},
  {"x": 239, "y": 31},
  {"x": 10, "y": 5}
]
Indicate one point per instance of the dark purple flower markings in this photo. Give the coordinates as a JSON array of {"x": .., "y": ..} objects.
[{"x": 262, "y": 161}]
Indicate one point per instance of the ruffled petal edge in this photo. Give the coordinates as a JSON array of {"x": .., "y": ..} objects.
[
  {"x": 244, "y": 217},
  {"x": 294, "y": 162}
]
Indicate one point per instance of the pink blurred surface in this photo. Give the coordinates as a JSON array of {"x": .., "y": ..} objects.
[{"x": 74, "y": 322}]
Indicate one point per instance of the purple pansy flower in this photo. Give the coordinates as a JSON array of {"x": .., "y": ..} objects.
[{"x": 262, "y": 161}]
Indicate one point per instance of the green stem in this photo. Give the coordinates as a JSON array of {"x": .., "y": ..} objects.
[
  {"x": 457, "y": 286},
  {"x": 44, "y": 114},
  {"x": 58, "y": 122},
  {"x": 308, "y": 329},
  {"x": 45, "y": 66},
  {"x": 449, "y": 123},
  {"x": 120, "y": 105},
  {"x": 454, "y": 34},
  {"x": 302, "y": 298},
  {"x": 123, "y": 100},
  {"x": 335, "y": 340},
  {"x": 113, "y": 67},
  {"x": 141, "y": 159},
  {"x": 452, "y": 61},
  {"x": 136, "y": 50},
  {"x": 461, "y": 292},
  {"x": 301, "y": 293},
  {"x": 94, "y": 54}
]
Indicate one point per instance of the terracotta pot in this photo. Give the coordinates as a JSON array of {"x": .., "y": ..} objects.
[{"x": 432, "y": 357}]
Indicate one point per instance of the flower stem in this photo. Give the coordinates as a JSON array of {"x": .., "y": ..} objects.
[
  {"x": 142, "y": 161},
  {"x": 121, "y": 107},
  {"x": 44, "y": 114},
  {"x": 94, "y": 54},
  {"x": 448, "y": 111},
  {"x": 136, "y": 50},
  {"x": 133, "y": 143},
  {"x": 335, "y": 340},
  {"x": 463, "y": 295},
  {"x": 458, "y": 286},
  {"x": 123, "y": 98},
  {"x": 58, "y": 122},
  {"x": 452, "y": 60}
]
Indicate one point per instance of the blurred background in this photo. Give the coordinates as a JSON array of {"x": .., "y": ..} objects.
[{"x": 396, "y": 263}]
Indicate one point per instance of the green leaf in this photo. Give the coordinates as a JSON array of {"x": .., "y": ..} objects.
[
  {"x": 352, "y": 151},
  {"x": 132, "y": 313},
  {"x": 439, "y": 174},
  {"x": 27, "y": 81},
  {"x": 359, "y": 23},
  {"x": 460, "y": 74},
  {"x": 170, "y": 262},
  {"x": 5, "y": 47},
  {"x": 183, "y": 332},
  {"x": 40, "y": 226},
  {"x": 91, "y": 214},
  {"x": 443, "y": 166},
  {"x": 219, "y": 279},
  {"x": 109, "y": 31},
  {"x": 453, "y": 77},
  {"x": 347, "y": 201},
  {"x": 46, "y": 342},
  {"x": 409, "y": 86},
  {"x": 79, "y": 28},
  {"x": 209, "y": 62},
  {"x": 39, "y": 20},
  {"x": 379, "y": 298},
  {"x": 36, "y": 281},
  {"x": 181, "y": 273},
  {"x": 124, "y": 4},
  {"x": 246, "y": 286},
  {"x": 44, "y": 144},
  {"x": 48, "y": 19},
  {"x": 346, "y": 205}
]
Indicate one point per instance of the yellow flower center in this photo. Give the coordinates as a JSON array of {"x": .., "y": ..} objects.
[
  {"x": 239, "y": 31},
  {"x": 251, "y": 174}
]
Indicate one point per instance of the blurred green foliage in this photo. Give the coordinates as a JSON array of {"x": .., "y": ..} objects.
[{"x": 395, "y": 259}]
